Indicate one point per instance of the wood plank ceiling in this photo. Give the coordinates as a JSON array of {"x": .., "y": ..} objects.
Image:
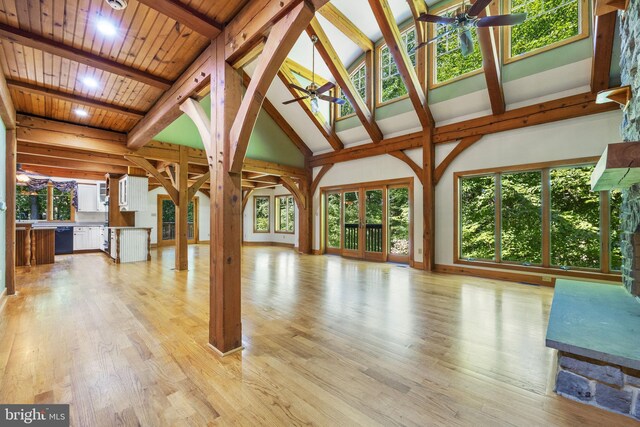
[{"x": 49, "y": 46}]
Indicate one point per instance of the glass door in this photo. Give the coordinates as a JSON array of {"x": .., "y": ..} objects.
[
  {"x": 374, "y": 230},
  {"x": 167, "y": 221},
  {"x": 399, "y": 224},
  {"x": 351, "y": 224},
  {"x": 334, "y": 223}
]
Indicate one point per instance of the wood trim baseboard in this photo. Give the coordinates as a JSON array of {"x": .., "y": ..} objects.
[
  {"x": 509, "y": 276},
  {"x": 203, "y": 242},
  {"x": 418, "y": 265},
  {"x": 316, "y": 252},
  {"x": 279, "y": 244},
  {"x": 86, "y": 251}
]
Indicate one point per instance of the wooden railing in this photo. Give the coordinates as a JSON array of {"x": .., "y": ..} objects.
[
  {"x": 372, "y": 237},
  {"x": 169, "y": 231}
]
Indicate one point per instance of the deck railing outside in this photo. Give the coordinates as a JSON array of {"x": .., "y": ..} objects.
[
  {"x": 373, "y": 237},
  {"x": 169, "y": 230}
]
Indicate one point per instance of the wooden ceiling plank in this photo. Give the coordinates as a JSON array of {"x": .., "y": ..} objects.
[
  {"x": 86, "y": 156},
  {"x": 35, "y": 41},
  {"x": 187, "y": 16},
  {"x": 348, "y": 28},
  {"x": 167, "y": 108},
  {"x": 391, "y": 34},
  {"x": 33, "y": 89},
  {"x": 287, "y": 78},
  {"x": 340, "y": 73},
  {"x": 604, "y": 32}
]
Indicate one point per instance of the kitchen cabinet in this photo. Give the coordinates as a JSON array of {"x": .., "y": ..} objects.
[
  {"x": 130, "y": 244},
  {"x": 87, "y": 199},
  {"x": 132, "y": 193},
  {"x": 101, "y": 195},
  {"x": 86, "y": 238}
]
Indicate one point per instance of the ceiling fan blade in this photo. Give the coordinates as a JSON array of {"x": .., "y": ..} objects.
[
  {"x": 338, "y": 101},
  {"x": 428, "y": 42},
  {"x": 325, "y": 87},
  {"x": 501, "y": 20},
  {"x": 478, "y": 7},
  {"x": 294, "y": 100},
  {"x": 435, "y": 19},
  {"x": 466, "y": 43},
  {"x": 301, "y": 89}
]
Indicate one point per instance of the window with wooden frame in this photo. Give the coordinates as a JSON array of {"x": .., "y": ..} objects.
[
  {"x": 549, "y": 24},
  {"x": 359, "y": 80},
  {"x": 261, "y": 214},
  {"x": 446, "y": 62},
  {"x": 285, "y": 214},
  {"x": 391, "y": 87},
  {"x": 541, "y": 216},
  {"x": 46, "y": 204}
]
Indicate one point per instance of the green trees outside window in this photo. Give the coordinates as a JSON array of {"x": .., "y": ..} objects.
[
  {"x": 61, "y": 208},
  {"x": 285, "y": 214},
  {"x": 31, "y": 206},
  {"x": 391, "y": 83},
  {"x": 398, "y": 218},
  {"x": 334, "y": 215},
  {"x": 359, "y": 79},
  {"x": 516, "y": 200},
  {"x": 449, "y": 61},
  {"x": 261, "y": 217},
  {"x": 548, "y": 22}
]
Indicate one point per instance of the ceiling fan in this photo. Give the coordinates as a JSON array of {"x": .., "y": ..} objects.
[
  {"x": 467, "y": 18},
  {"x": 313, "y": 91}
]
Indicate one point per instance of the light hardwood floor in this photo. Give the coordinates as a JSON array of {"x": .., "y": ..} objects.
[{"x": 328, "y": 341}]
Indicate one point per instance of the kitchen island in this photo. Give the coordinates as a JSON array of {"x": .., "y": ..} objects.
[
  {"x": 129, "y": 244},
  {"x": 34, "y": 245}
]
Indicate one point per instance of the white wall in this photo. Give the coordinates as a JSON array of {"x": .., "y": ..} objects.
[
  {"x": 569, "y": 139},
  {"x": 149, "y": 218},
  {"x": 247, "y": 220},
  {"x": 373, "y": 169}
]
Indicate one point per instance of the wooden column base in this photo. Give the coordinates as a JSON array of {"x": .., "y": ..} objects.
[{"x": 226, "y": 353}]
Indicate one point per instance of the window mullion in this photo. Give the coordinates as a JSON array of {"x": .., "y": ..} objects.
[
  {"x": 546, "y": 218},
  {"x": 498, "y": 216}
]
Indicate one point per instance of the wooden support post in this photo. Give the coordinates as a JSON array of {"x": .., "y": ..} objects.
[
  {"x": 182, "y": 233},
  {"x": 10, "y": 214},
  {"x": 225, "y": 328},
  {"x": 429, "y": 192}
]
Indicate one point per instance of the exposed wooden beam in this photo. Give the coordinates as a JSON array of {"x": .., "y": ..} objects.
[
  {"x": 28, "y": 159},
  {"x": 391, "y": 33},
  {"x": 348, "y": 28},
  {"x": 273, "y": 112},
  {"x": 275, "y": 169},
  {"x": 545, "y": 112},
  {"x": 187, "y": 16},
  {"x": 25, "y": 38},
  {"x": 340, "y": 73},
  {"x": 419, "y": 7},
  {"x": 604, "y": 32},
  {"x": 266, "y": 179},
  {"x": 10, "y": 214},
  {"x": 78, "y": 99},
  {"x": 193, "y": 188},
  {"x": 304, "y": 72},
  {"x": 457, "y": 150},
  {"x": 167, "y": 108},
  {"x": 84, "y": 156},
  {"x": 401, "y": 155},
  {"x": 181, "y": 221},
  {"x": 254, "y": 21},
  {"x": 281, "y": 39},
  {"x": 318, "y": 120},
  {"x": 316, "y": 181},
  {"x": 428, "y": 200},
  {"x": 7, "y": 109},
  {"x": 251, "y": 54},
  {"x": 245, "y": 198},
  {"x": 295, "y": 191},
  {"x": 66, "y": 173},
  {"x": 164, "y": 182},
  {"x": 491, "y": 66}
]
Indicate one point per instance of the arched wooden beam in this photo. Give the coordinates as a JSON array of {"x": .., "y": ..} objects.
[
  {"x": 413, "y": 165},
  {"x": 147, "y": 166},
  {"x": 193, "y": 189},
  {"x": 462, "y": 145},
  {"x": 318, "y": 178},
  {"x": 295, "y": 191},
  {"x": 245, "y": 198}
]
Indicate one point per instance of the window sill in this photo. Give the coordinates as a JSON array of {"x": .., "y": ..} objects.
[
  {"x": 285, "y": 232},
  {"x": 552, "y": 271},
  {"x": 261, "y": 232}
]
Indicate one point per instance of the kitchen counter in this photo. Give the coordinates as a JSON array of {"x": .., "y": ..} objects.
[
  {"x": 34, "y": 245},
  {"x": 130, "y": 228}
]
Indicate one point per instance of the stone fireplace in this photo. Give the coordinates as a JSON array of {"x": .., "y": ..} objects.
[{"x": 630, "y": 131}]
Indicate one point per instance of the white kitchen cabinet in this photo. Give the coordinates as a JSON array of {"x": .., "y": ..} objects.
[
  {"x": 129, "y": 244},
  {"x": 133, "y": 193},
  {"x": 101, "y": 195},
  {"x": 87, "y": 199},
  {"x": 86, "y": 238}
]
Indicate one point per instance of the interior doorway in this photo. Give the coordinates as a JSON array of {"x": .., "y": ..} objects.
[
  {"x": 370, "y": 221},
  {"x": 167, "y": 221}
]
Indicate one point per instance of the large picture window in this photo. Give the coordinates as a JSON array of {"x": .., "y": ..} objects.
[
  {"x": 540, "y": 216},
  {"x": 550, "y": 23},
  {"x": 261, "y": 214},
  {"x": 285, "y": 214},
  {"x": 46, "y": 204},
  {"x": 446, "y": 59},
  {"x": 391, "y": 85},
  {"x": 359, "y": 80}
]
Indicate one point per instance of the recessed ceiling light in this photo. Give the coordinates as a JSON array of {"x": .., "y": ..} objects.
[
  {"x": 90, "y": 82},
  {"x": 80, "y": 112},
  {"x": 106, "y": 28}
]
